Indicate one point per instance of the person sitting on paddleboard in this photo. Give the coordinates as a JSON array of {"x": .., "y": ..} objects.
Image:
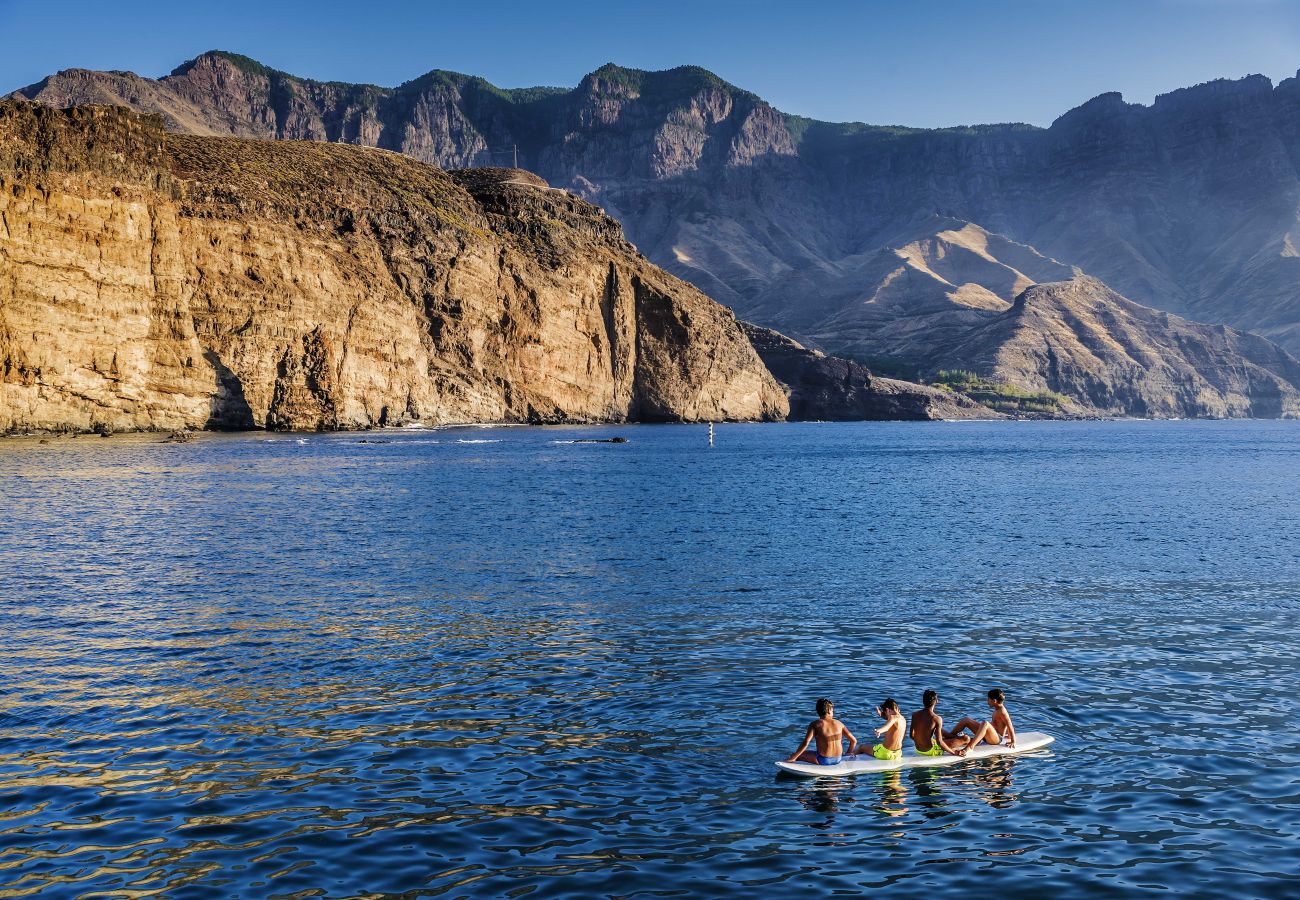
[
  {"x": 991, "y": 732},
  {"x": 891, "y": 733},
  {"x": 927, "y": 730},
  {"x": 830, "y": 733}
]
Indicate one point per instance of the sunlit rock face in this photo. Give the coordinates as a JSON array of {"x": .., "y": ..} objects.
[{"x": 165, "y": 281}]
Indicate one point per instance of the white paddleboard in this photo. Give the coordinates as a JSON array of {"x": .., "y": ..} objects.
[{"x": 865, "y": 762}]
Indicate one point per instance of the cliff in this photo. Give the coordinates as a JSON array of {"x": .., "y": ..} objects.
[
  {"x": 1188, "y": 205},
  {"x": 879, "y": 243},
  {"x": 166, "y": 281},
  {"x": 826, "y": 388}
]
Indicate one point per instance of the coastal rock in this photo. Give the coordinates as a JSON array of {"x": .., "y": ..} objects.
[
  {"x": 826, "y": 388},
  {"x": 154, "y": 281},
  {"x": 1190, "y": 205}
]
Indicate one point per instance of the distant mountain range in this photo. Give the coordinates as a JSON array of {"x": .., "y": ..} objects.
[{"x": 904, "y": 248}]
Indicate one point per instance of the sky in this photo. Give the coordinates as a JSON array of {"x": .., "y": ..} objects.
[{"x": 903, "y": 62}]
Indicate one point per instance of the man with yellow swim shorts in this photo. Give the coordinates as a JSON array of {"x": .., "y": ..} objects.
[
  {"x": 891, "y": 733},
  {"x": 927, "y": 731}
]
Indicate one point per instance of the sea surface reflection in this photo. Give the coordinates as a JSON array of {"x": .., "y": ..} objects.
[{"x": 266, "y": 666}]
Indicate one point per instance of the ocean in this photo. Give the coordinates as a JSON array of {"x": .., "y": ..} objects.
[{"x": 494, "y": 662}]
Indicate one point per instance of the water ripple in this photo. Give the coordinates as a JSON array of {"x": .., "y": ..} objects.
[{"x": 255, "y": 667}]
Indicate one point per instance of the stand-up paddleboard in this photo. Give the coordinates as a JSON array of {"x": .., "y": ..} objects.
[{"x": 865, "y": 762}]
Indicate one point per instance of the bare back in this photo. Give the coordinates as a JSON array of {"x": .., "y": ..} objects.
[
  {"x": 829, "y": 734},
  {"x": 892, "y": 736},
  {"x": 1002, "y": 722},
  {"x": 924, "y": 725}
]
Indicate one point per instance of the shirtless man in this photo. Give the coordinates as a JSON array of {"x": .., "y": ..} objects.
[
  {"x": 927, "y": 731},
  {"x": 891, "y": 733},
  {"x": 829, "y": 732},
  {"x": 992, "y": 731}
]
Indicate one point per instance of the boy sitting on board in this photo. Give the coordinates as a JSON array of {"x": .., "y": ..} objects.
[
  {"x": 829, "y": 732},
  {"x": 927, "y": 731},
  {"x": 891, "y": 733},
  {"x": 991, "y": 732}
]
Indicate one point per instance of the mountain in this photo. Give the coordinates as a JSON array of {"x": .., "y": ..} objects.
[
  {"x": 1188, "y": 205},
  {"x": 931, "y": 282},
  {"x": 1107, "y": 355},
  {"x": 166, "y": 281},
  {"x": 881, "y": 243},
  {"x": 951, "y": 296}
]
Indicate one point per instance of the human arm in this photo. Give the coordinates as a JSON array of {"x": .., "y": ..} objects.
[
  {"x": 1011, "y": 731},
  {"x": 807, "y": 739},
  {"x": 853, "y": 742}
]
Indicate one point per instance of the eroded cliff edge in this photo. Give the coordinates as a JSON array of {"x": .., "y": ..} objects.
[{"x": 152, "y": 281}]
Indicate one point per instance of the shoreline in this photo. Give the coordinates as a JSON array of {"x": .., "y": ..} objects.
[{"x": 172, "y": 436}]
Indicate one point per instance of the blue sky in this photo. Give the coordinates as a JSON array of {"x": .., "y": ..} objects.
[{"x": 913, "y": 63}]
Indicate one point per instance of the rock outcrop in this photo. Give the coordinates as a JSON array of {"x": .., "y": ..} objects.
[
  {"x": 857, "y": 239},
  {"x": 951, "y": 296},
  {"x": 1188, "y": 205},
  {"x": 826, "y": 388},
  {"x": 1111, "y": 356},
  {"x": 154, "y": 281}
]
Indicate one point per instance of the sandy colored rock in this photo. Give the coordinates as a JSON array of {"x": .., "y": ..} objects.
[
  {"x": 170, "y": 282},
  {"x": 1115, "y": 357}
]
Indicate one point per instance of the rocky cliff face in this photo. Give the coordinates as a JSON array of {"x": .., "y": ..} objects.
[
  {"x": 165, "y": 281},
  {"x": 826, "y": 388},
  {"x": 1189, "y": 205}
]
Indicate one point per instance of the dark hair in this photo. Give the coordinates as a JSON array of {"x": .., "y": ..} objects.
[
  {"x": 929, "y": 698},
  {"x": 824, "y": 706},
  {"x": 890, "y": 703},
  {"x": 997, "y": 696}
]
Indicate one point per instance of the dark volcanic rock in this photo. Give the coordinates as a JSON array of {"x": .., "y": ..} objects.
[{"x": 826, "y": 388}]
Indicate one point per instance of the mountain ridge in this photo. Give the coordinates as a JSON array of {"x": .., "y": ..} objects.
[{"x": 1188, "y": 205}]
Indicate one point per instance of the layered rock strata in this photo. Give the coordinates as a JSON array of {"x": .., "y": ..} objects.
[
  {"x": 1190, "y": 205},
  {"x": 154, "y": 281},
  {"x": 828, "y": 231}
]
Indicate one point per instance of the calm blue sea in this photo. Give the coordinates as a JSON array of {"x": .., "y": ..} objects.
[{"x": 489, "y": 662}]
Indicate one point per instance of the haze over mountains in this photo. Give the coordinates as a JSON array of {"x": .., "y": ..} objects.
[{"x": 897, "y": 246}]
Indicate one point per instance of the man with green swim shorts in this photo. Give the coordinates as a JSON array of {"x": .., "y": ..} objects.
[
  {"x": 891, "y": 733},
  {"x": 927, "y": 731}
]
